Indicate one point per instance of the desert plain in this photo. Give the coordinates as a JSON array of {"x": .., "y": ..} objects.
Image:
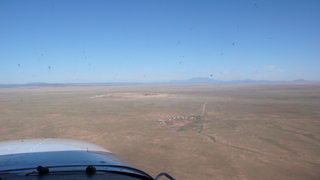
[{"x": 191, "y": 131}]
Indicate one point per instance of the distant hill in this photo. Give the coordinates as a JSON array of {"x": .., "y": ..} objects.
[
  {"x": 195, "y": 80},
  {"x": 33, "y": 83},
  {"x": 299, "y": 80},
  {"x": 43, "y": 84},
  {"x": 254, "y": 81},
  {"x": 202, "y": 80},
  {"x": 40, "y": 84}
]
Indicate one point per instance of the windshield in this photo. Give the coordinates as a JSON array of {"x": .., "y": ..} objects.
[{"x": 197, "y": 89}]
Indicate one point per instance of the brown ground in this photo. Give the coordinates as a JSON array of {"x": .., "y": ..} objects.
[{"x": 267, "y": 131}]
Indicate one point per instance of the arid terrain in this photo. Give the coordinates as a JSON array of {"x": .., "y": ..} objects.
[{"x": 244, "y": 131}]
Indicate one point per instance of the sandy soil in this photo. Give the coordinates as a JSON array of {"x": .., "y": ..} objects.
[{"x": 245, "y": 131}]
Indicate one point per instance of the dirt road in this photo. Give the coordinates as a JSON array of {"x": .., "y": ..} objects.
[{"x": 204, "y": 108}]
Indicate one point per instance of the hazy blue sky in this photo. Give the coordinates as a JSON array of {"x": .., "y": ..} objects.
[{"x": 155, "y": 41}]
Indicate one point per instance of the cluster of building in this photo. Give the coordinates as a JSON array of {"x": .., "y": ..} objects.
[
  {"x": 176, "y": 118},
  {"x": 97, "y": 96}
]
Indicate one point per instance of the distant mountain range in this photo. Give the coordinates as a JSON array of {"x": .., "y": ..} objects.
[
  {"x": 299, "y": 80},
  {"x": 202, "y": 80},
  {"x": 194, "y": 80}
]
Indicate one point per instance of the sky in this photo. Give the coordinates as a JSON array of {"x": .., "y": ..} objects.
[{"x": 158, "y": 41}]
